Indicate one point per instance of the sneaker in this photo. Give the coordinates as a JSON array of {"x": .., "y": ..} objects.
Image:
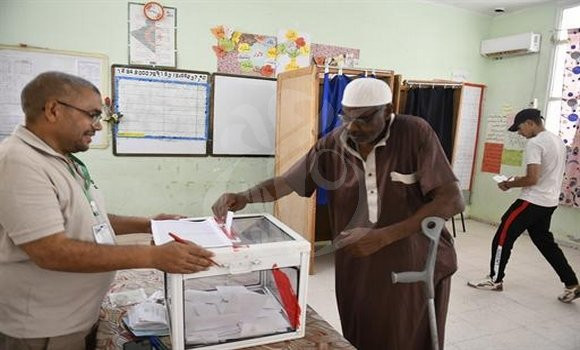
[
  {"x": 487, "y": 284},
  {"x": 569, "y": 294}
]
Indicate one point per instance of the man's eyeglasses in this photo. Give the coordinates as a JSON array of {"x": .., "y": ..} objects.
[
  {"x": 96, "y": 116},
  {"x": 361, "y": 118}
]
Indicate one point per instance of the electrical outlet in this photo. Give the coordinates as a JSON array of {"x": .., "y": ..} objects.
[{"x": 533, "y": 103}]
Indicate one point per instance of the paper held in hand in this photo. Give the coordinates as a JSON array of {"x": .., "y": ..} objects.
[
  {"x": 501, "y": 178},
  {"x": 207, "y": 233}
]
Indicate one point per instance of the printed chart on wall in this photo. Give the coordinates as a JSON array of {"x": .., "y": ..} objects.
[
  {"x": 152, "y": 40},
  {"x": 465, "y": 142},
  {"x": 165, "y": 112},
  {"x": 18, "y": 66}
]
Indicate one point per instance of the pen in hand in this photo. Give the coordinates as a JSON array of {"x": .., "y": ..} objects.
[{"x": 181, "y": 240}]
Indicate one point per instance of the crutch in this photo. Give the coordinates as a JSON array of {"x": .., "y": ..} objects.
[{"x": 432, "y": 227}]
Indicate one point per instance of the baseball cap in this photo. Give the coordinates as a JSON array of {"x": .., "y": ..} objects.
[
  {"x": 523, "y": 115},
  {"x": 366, "y": 92}
]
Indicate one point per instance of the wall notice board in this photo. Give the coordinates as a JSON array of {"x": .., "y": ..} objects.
[
  {"x": 165, "y": 111},
  {"x": 465, "y": 143},
  {"x": 243, "y": 116},
  {"x": 19, "y": 65}
]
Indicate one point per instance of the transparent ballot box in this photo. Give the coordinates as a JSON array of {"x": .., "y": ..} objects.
[{"x": 256, "y": 295}]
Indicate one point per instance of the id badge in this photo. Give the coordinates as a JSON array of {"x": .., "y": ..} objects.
[{"x": 103, "y": 234}]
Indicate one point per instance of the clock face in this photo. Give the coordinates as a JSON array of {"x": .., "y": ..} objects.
[{"x": 153, "y": 11}]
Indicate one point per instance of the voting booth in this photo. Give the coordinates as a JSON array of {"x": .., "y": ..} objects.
[{"x": 256, "y": 295}]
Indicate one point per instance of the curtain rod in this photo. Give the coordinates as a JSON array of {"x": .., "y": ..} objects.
[
  {"x": 370, "y": 71},
  {"x": 432, "y": 83}
]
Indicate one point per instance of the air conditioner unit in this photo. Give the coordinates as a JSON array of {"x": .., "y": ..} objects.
[{"x": 513, "y": 45}]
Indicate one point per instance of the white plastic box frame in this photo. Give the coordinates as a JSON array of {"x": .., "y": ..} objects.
[{"x": 291, "y": 252}]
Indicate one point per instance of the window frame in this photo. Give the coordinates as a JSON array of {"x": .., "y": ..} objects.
[{"x": 552, "y": 104}]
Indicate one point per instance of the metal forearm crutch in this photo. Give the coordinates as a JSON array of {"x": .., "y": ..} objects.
[{"x": 432, "y": 227}]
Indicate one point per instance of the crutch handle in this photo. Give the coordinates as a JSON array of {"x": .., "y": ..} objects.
[{"x": 408, "y": 277}]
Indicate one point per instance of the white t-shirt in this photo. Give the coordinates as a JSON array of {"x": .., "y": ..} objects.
[{"x": 549, "y": 151}]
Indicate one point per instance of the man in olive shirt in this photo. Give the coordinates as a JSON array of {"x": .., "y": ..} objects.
[
  {"x": 57, "y": 242},
  {"x": 384, "y": 174}
]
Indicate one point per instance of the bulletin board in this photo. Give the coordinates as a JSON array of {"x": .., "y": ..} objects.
[
  {"x": 465, "y": 142},
  {"x": 243, "y": 116},
  {"x": 20, "y": 64},
  {"x": 165, "y": 111}
]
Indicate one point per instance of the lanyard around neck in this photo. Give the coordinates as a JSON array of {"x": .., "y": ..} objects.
[{"x": 80, "y": 168}]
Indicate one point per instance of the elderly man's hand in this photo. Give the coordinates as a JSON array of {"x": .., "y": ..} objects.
[
  {"x": 361, "y": 241},
  {"x": 228, "y": 201}
]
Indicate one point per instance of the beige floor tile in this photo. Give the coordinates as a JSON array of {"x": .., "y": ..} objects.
[
  {"x": 526, "y": 315},
  {"x": 515, "y": 339}
]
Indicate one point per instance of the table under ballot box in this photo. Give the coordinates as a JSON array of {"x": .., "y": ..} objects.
[{"x": 256, "y": 295}]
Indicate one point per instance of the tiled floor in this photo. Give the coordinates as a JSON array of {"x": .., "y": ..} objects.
[{"x": 526, "y": 315}]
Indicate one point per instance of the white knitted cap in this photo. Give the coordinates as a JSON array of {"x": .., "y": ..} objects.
[{"x": 366, "y": 92}]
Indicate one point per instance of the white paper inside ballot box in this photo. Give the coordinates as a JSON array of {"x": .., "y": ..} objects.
[{"x": 231, "y": 312}]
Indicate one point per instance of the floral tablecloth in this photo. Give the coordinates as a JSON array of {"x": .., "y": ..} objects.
[{"x": 111, "y": 334}]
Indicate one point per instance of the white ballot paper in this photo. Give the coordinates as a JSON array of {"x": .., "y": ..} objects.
[
  {"x": 229, "y": 221},
  {"x": 500, "y": 178},
  {"x": 231, "y": 312},
  {"x": 147, "y": 319},
  {"x": 128, "y": 297},
  {"x": 207, "y": 233}
]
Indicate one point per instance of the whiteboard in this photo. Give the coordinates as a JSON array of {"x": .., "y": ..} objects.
[
  {"x": 18, "y": 66},
  {"x": 243, "y": 115},
  {"x": 465, "y": 143},
  {"x": 165, "y": 111}
]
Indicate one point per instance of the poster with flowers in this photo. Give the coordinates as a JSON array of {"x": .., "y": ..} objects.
[
  {"x": 243, "y": 53},
  {"x": 337, "y": 55},
  {"x": 293, "y": 50}
]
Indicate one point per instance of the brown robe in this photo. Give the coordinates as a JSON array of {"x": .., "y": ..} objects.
[{"x": 374, "y": 312}]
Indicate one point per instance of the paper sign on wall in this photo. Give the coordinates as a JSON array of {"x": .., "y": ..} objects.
[
  {"x": 293, "y": 50},
  {"x": 513, "y": 157},
  {"x": 152, "y": 42},
  {"x": 346, "y": 56},
  {"x": 243, "y": 53},
  {"x": 496, "y": 128},
  {"x": 492, "y": 153}
]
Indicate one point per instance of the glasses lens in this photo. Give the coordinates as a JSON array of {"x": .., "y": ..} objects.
[
  {"x": 97, "y": 117},
  {"x": 366, "y": 116}
]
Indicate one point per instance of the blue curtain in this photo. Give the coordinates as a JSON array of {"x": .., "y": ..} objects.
[{"x": 332, "y": 91}]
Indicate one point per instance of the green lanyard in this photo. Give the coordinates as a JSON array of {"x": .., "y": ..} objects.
[{"x": 84, "y": 173}]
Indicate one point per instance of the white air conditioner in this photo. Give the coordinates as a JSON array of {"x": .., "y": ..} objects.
[{"x": 513, "y": 45}]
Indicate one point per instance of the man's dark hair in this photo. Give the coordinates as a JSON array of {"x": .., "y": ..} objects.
[{"x": 49, "y": 85}]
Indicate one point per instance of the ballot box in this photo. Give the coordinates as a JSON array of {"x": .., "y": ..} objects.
[{"x": 256, "y": 295}]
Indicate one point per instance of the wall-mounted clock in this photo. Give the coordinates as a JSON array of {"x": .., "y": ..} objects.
[{"x": 153, "y": 11}]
